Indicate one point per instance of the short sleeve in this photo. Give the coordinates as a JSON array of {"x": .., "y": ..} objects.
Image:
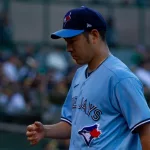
[
  {"x": 66, "y": 113},
  {"x": 129, "y": 100}
]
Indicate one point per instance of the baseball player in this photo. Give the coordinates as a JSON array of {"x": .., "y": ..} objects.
[{"x": 105, "y": 108}]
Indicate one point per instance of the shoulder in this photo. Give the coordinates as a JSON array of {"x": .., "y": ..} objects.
[{"x": 117, "y": 70}]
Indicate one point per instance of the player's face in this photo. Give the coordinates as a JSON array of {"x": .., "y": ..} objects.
[{"x": 80, "y": 49}]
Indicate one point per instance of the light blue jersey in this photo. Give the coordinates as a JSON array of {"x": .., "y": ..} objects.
[{"x": 105, "y": 108}]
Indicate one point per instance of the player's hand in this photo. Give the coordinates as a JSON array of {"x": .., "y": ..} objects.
[{"x": 35, "y": 132}]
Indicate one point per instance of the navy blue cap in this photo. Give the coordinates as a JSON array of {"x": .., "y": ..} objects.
[{"x": 78, "y": 20}]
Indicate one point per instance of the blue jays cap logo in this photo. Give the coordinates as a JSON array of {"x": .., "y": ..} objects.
[
  {"x": 67, "y": 18},
  {"x": 89, "y": 133}
]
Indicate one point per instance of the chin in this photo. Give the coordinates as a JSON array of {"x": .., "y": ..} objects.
[{"x": 80, "y": 62}]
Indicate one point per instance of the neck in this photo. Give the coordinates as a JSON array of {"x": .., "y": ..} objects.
[{"x": 100, "y": 55}]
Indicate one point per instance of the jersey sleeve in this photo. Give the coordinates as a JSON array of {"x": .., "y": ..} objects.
[
  {"x": 129, "y": 100},
  {"x": 66, "y": 113}
]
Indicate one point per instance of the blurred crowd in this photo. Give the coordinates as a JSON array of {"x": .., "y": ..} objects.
[
  {"x": 141, "y": 68},
  {"x": 34, "y": 78}
]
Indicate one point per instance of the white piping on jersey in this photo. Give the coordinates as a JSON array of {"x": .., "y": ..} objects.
[
  {"x": 139, "y": 124},
  {"x": 66, "y": 120}
]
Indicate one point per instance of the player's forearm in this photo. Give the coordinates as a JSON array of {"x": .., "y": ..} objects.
[{"x": 61, "y": 130}]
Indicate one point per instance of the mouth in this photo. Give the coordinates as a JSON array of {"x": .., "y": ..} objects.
[{"x": 74, "y": 57}]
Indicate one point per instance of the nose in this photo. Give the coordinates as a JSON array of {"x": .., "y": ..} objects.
[{"x": 69, "y": 48}]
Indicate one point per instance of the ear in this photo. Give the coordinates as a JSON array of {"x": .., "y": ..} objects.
[{"x": 95, "y": 35}]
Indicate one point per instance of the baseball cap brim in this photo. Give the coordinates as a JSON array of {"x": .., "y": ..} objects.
[{"x": 66, "y": 33}]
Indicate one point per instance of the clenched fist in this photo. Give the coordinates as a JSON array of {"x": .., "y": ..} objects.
[{"x": 35, "y": 132}]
